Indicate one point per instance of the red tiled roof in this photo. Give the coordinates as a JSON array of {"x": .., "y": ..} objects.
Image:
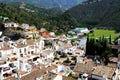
[
  {"x": 6, "y": 47},
  {"x": 87, "y": 67},
  {"x": 104, "y": 70},
  {"x": 35, "y": 73}
]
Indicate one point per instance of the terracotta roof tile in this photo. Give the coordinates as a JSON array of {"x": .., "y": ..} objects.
[
  {"x": 104, "y": 70},
  {"x": 87, "y": 67},
  {"x": 6, "y": 47},
  {"x": 47, "y": 51},
  {"x": 35, "y": 73},
  {"x": 114, "y": 65},
  {"x": 113, "y": 59},
  {"x": 29, "y": 42}
]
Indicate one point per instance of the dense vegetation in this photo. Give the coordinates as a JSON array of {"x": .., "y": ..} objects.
[
  {"x": 100, "y": 13},
  {"x": 92, "y": 13},
  {"x": 19, "y": 15},
  {"x": 52, "y": 20},
  {"x": 100, "y": 48}
]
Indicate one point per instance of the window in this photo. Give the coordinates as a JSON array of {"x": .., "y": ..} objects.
[
  {"x": 20, "y": 51},
  {"x": 35, "y": 59},
  {"x": 14, "y": 53},
  {"x": 0, "y": 54},
  {"x": 21, "y": 55},
  {"x": 11, "y": 65},
  {"x": 28, "y": 52},
  {"x": 32, "y": 52},
  {"x": 29, "y": 61},
  {"x": 24, "y": 49}
]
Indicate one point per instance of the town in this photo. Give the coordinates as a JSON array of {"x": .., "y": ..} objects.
[{"x": 42, "y": 55}]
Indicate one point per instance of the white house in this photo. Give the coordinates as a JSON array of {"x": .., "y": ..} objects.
[
  {"x": 8, "y": 60},
  {"x": 48, "y": 54},
  {"x": 80, "y": 30},
  {"x": 18, "y": 55},
  {"x": 52, "y": 34},
  {"x": 24, "y": 65},
  {"x": 25, "y": 26},
  {"x": 11, "y": 24},
  {"x": 42, "y": 44},
  {"x": 62, "y": 70},
  {"x": 7, "y": 70}
]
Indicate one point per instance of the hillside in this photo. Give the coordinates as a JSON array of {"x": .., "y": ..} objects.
[
  {"x": 21, "y": 15},
  {"x": 98, "y": 13},
  {"x": 26, "y": 6},
  {"x": 48, "y": 3},
  {"x": 50, "y": 19}
]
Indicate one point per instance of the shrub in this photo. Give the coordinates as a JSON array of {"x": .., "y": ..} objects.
[
  {"x": 63, "y": 56},
  {"x": 56, "y": 58},
  {"x": 73, "y": 58},
  {"x": 67, "y": 61}
]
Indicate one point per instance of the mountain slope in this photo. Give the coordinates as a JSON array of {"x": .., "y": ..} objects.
[
  {"x": 20, "y": 15},
  {"x": 98, "y": 12},
  {"x": 49, "y": 19},
  {"x": 49, "y": 3}
]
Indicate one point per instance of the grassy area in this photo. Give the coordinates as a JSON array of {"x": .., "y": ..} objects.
[{"x": 100, "y": 33}]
